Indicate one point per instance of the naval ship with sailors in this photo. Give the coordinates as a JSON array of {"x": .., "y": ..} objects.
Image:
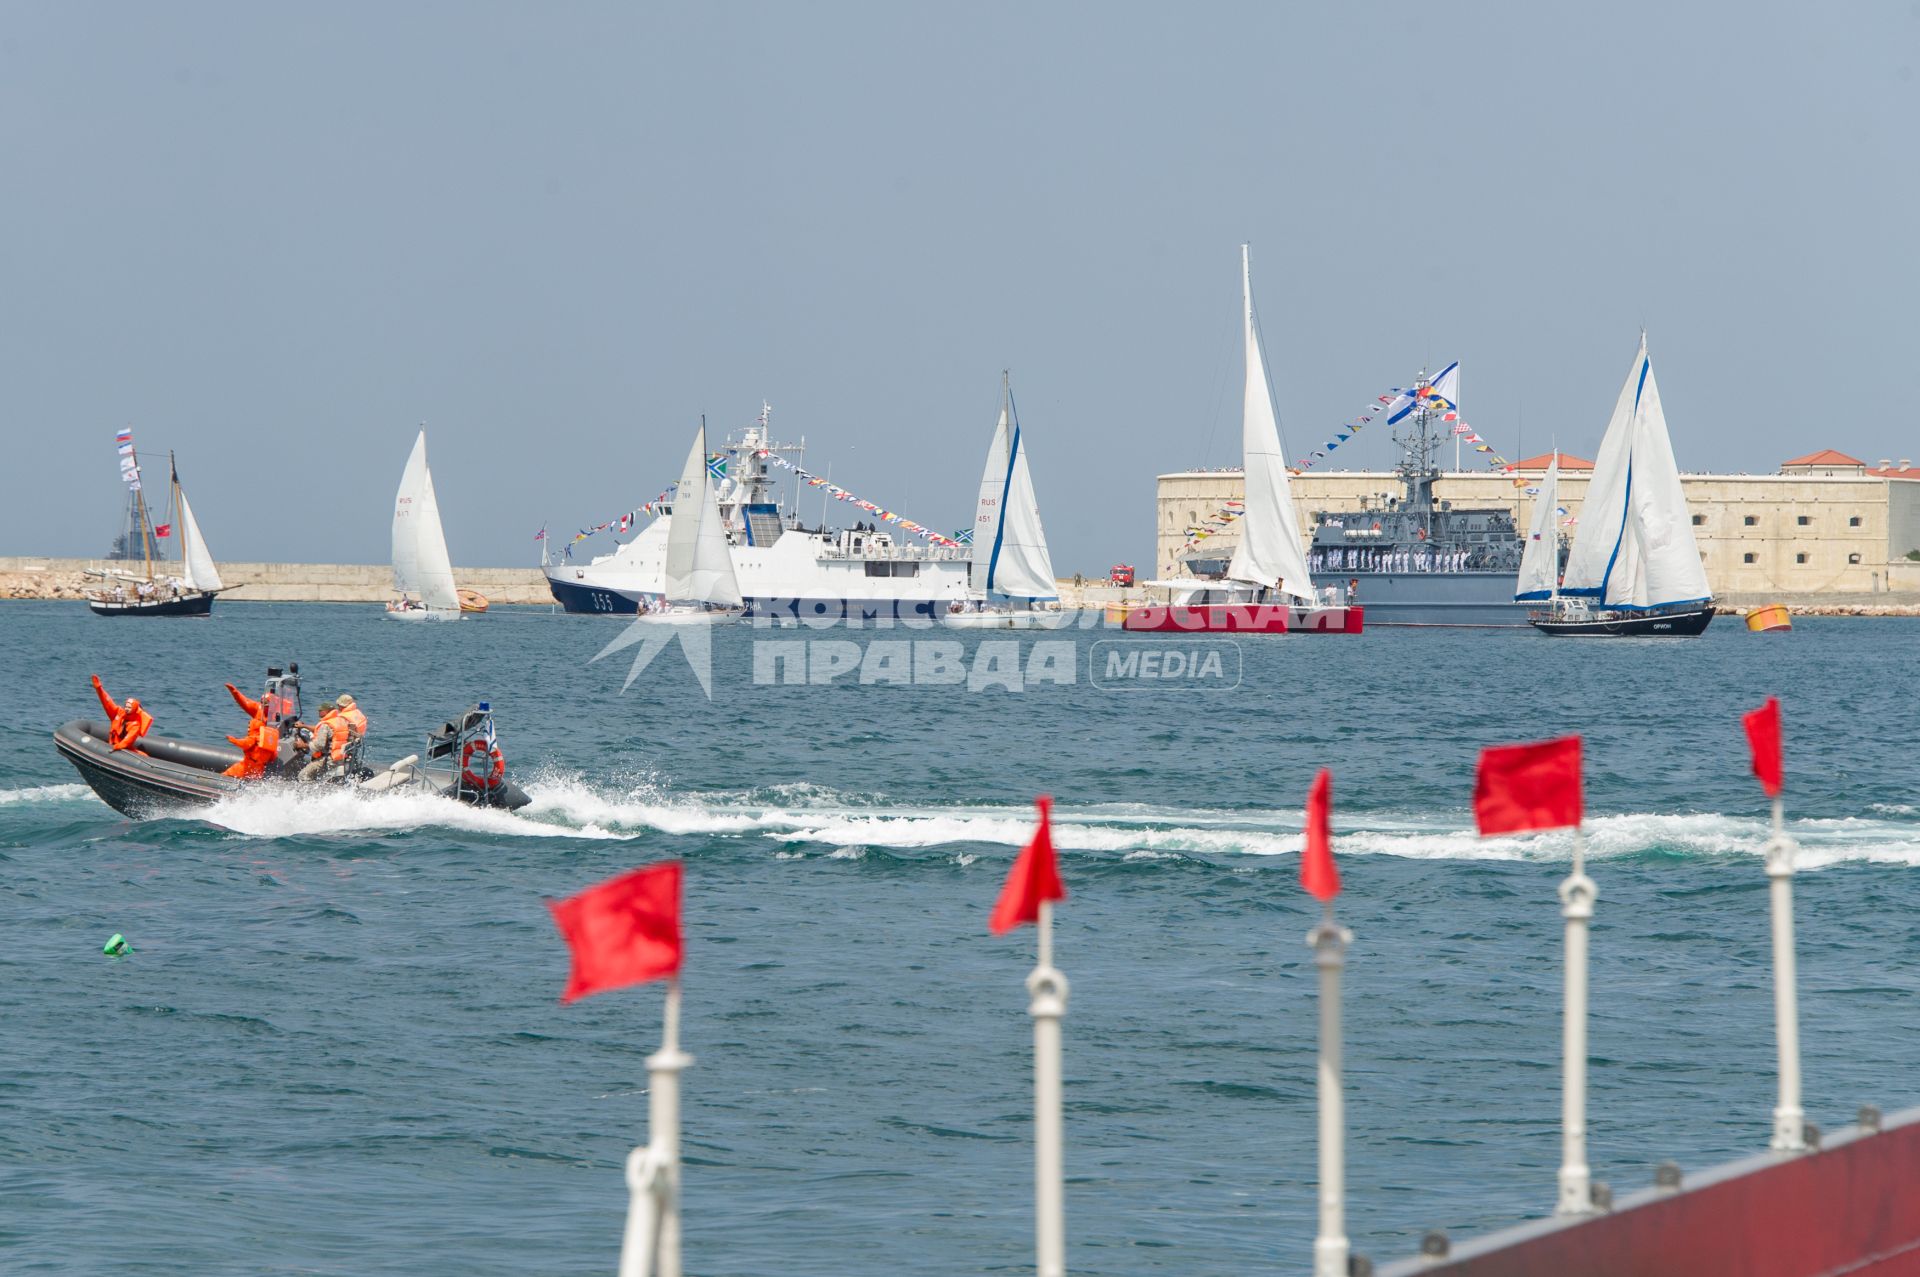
[
  {"x": 1413, "y": 559},
  {"x": 785, "y": 568}
]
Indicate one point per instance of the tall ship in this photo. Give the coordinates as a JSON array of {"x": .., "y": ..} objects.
[
  {"x": 787, "y": 568},
  {"x": 185, "y": 586}
]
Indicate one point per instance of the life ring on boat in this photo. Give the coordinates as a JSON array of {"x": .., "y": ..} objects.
[{"x": 495, "y": 773}]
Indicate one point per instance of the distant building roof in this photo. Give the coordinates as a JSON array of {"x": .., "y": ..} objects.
[
  {"x": 1904, "y": 470},
  {"x": 1567, "y": 462},
  {"x": 1824, "y": 457}
]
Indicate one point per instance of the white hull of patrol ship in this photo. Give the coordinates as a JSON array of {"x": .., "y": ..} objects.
[
  {"x": 802, "y": 575},
  {"x": 785, "y": 570}
]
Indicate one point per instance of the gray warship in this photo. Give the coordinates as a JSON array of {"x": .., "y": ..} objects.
[{"x": 1414, "y": 559}]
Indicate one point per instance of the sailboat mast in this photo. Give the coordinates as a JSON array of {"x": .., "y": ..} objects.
[
  {"x": 1553, "y": 589},
  {"x": 146, "y": 531}
]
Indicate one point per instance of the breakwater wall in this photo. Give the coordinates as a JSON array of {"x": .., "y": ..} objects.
[{"x": 33, "y": 578}]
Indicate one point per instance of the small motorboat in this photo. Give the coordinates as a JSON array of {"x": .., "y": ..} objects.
[{"x": 461, "y": 761}]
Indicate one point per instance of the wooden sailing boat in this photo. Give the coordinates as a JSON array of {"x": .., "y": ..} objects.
[
  {"x": 1011, "y": 569},
  {"x": 1634, "y": 568},
  {"x": 152, "y": 592},
  {"x": 700, "y": 580},
  {"x": 422, "y": 572}
]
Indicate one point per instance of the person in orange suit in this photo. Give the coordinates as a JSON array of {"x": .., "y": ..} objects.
[
  {"x": 260, "y": 747},
  {"x": 126, "y": 723}
]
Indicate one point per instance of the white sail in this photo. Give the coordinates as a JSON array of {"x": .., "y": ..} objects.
[
  {"x": 1597, "y": 541},
  {"x": 1670, "y": 566},
  {"x": 699, "y": 567},
  {"x": 1634, "y": 547},
  {"x": 1270, "y": 552},
  {"x": 1010, "y": 555},
  {"x": 1540, "y": 560},
  {"x": 194, "y": 555},
  {"x": 421, "y": 567}
]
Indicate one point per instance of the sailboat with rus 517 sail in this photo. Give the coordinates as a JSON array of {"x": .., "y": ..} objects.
[
  {"x": 190, "y": 591},
  {"x": 1011, "y": 570},
  {"x": 700, "y": 580},
  {"x": 422, "y": 570},
  {"x": 1267, "y": 588},
  {"x": 1634, "y": 568}
]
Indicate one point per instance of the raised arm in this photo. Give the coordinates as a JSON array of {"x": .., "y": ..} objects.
[
  {"x": 106, "y": 701},
  {"x": 244, "y": 701}
]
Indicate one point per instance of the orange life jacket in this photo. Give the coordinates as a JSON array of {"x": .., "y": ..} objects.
[
  {"x": 260, "y": 746},
  {"x": 128, "y": 727},
  {"x": 356, "y": 723},
  {"x": 337, "y": 732}
]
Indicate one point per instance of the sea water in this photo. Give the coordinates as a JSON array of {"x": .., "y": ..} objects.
[{"x": 337, "y": 1045}]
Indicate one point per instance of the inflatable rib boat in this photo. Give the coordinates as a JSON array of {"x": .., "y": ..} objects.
[{"x": 164, "y": 774}]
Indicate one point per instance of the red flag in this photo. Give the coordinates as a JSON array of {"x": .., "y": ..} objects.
[
  {"x": 1522, "y": 787},
  {"x": 1318, "y": 873},
  {"x": 1034, "y": 879},
  {"x": 623, "y": 931},
  {"x": 162, "y": 529},
  {"x": 1763, "y": 736}
]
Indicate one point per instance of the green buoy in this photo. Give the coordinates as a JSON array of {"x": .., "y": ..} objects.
[{"x": 115, "y": 945}]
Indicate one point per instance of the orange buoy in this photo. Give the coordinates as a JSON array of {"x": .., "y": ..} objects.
[
  {"x": 472, "y": 601},
  {"x": 1772, "y": 617}
]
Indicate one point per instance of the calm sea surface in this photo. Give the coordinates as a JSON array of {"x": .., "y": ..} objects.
[{"x": 337, "y": 1045}]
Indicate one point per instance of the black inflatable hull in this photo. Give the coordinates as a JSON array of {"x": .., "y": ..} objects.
[
  {"x": 1678, "y": 624},
  {"x": 166, "y": 776},
  {"x": 187, "y": 605}
]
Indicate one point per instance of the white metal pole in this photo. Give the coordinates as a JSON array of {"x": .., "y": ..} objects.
[
  {"x": 1789, "y": 1119},
  {"x": 1048, "y": 989},
  {"x": 1577, "y": 895},
  {"x": 652, "y": 1244},
  {"x": 1329, "y": 943}
]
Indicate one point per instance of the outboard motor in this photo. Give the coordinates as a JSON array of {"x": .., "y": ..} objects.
[{"x": 471, "y": 745}]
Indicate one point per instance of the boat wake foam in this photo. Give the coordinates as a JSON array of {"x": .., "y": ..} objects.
[
  {"x": 812, "y": 817},
  {"x": 35, "y": 795},
  {"x": 284, "y": 812}
]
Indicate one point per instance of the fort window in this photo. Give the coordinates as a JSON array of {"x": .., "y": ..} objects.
[
  {"x": 1752, "y": 520},
  {"x": 1749, "y": 558},
  {"x": 1803, "y": 520},
  {"x": 1853, "y": 558},
  {"x": 1699, "y": 520},
  {"x": 1800, "y": 558},
  {"x": 1854, "y": 522}
]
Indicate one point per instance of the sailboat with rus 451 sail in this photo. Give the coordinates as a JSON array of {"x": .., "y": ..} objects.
[
  {"x": 1634, "y": 569},
  {"x": 1267, "y": 588},
  {"x": 422, "y": 570},
  {"x": 190, "y": 591}
]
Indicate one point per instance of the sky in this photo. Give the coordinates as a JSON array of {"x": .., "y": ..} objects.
[{"x": 277, "y": 239}]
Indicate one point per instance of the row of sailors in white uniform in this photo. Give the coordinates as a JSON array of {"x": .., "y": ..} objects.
[{"x": 1370, "y": 559}]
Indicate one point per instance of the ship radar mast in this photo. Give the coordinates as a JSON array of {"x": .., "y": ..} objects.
[{"x": 1419, "y": 467}]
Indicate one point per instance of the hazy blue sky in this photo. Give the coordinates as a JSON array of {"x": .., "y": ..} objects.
[{"x": 278, "y": 237}]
